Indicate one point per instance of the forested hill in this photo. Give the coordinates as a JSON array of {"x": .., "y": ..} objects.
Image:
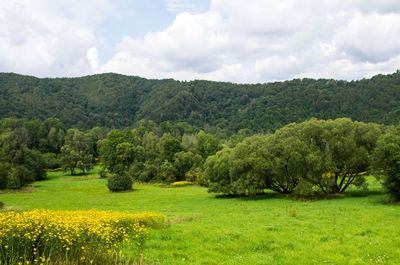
[{"x": 114, "y": 100}]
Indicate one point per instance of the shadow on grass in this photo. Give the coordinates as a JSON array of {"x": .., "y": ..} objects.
[
  {"x": 264, "y": 196},
  {"x": 124, "y": 191},
  {"x": 364, "y": 193},
  {"x": 79, "y": 177},
  {"x": 316, "y": 197}
]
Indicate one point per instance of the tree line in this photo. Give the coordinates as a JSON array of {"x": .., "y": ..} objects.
[
  {"x": 306, "y": 159},
  {"x": 149, "y": 152}
]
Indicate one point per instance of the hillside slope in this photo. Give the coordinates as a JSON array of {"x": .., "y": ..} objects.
[{"x": 114, "y": 100}]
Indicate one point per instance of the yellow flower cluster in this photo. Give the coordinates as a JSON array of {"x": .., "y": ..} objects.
[
  {"x": 41, "y": 232},
  {"x": 54, "y": 169},
  {"x": 181, "y": 183}
]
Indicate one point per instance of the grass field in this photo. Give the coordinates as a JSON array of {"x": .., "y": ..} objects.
[{"x": 359, "y": 229}]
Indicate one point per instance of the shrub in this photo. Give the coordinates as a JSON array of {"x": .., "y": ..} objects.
[
  {"x": 119, "y": 183},
  {"x": 1, "y": 205}
]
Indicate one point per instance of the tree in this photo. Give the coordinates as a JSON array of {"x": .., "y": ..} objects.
[
  {"x": 108, "y": 149},
  {"x": 206, "y": 145},
  {"x": 126, "y": 155},
  {"x": 23, "y": 165},
  {"x": 387, "y": 161},
  {"x": 216, "y": 172},
  {"x": 287, "y": 159},
  {"x": 150, "y": 143},
  {"x": 76, "y": 152},
  {"x": 169, "y": 147},
  {"x": 250, "y": 166},
  {"x": 339, "y": 152},
  {"x": 184, "y": 162}
]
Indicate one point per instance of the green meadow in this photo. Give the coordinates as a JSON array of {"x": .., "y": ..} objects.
[{"x": 358, "y": 228}]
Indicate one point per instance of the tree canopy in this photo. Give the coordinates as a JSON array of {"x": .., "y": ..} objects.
[{"x": 118, "y": 101}]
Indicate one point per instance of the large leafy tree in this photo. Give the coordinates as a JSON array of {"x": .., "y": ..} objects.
[
  {"x": 287, "y": 159},
  {"x": 339, "y": 152},
  {"x": 387, "y": 161},
  {"x": 250, "y": 164}
]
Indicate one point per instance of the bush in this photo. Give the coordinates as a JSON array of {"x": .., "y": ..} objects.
[
  {"x": 119, "y": 183},
  {"x": 1, "y": 205}
]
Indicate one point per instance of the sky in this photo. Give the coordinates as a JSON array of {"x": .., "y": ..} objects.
[{"x": 251, "y": 41}]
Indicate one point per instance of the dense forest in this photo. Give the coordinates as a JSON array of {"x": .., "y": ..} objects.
[{"x": 118, "y": 101}]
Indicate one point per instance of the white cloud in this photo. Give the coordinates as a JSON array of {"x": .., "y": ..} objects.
[
  {"x": 190, "y": 6},
  {"x": 48, "y": 38},
  {"x": 92, "y": 56},
  {"x": 235, "y": 40},
  {"x": 371, "y": 38},
  {"x": 260, "y": 41}
]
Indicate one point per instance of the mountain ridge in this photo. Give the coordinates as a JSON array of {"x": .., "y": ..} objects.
[{"x": 117, "y": 101}]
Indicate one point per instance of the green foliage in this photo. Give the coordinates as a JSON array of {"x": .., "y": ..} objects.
[
  {"x": 184, "y": 162},
  {"x": 52, "y": 160},
  {"x": 249, "y": 166},
  {"x": 387, "y": 161},
  {"x": 19, "y": 164},
  {"x": 216, "y": 172},
  {"x": 3, "y": 175},
  {"x": 339, "y": 153},
  {"x": 168, "y": 172},
  {"x": 329, "y": 155},
  {"x": 76, "y": 152},
  {"x": 19, "y": 176},
  {"x": 108, "y": 149},
  {"x": 169, "y": 147},
  {"x": 357, "y": 229},
  {"x": 287, "y": 159},
  {"x": 206, "y": 144},
  {"x": 117, "y": 101},
  {"x": 119, "y": 182}
]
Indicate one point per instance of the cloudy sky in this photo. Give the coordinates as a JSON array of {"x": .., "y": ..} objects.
[{"x": 243, "y": 41}]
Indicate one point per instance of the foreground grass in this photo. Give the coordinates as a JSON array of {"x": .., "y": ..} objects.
[{"x": 360, "y": 229}]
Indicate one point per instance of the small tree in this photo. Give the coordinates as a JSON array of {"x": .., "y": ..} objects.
[{"x": 76, "y": 152}]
